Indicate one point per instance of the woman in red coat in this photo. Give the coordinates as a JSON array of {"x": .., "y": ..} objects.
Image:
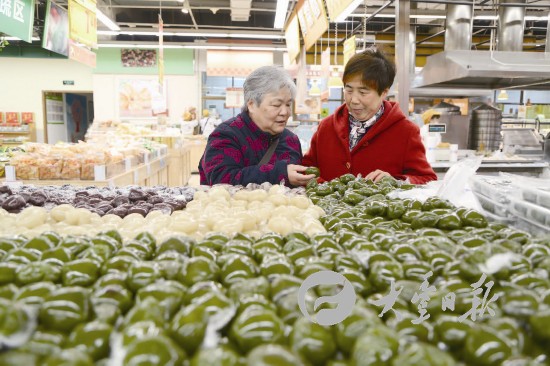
[{"x": 368, "y": 135}]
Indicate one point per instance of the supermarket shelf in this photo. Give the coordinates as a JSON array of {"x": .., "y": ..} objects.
[
  {"x": 15, "y": 132},
  {"x": 151, "y": 174}
]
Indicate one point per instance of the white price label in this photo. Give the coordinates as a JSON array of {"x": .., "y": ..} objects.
[
  {"x": 10, "y": 173},
  {"x": 99, "y": 172},
  {"x": 128, "y": 164}
]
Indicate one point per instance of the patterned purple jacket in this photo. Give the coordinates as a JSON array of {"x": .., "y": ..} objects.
[{"x": 237, "y": 146}]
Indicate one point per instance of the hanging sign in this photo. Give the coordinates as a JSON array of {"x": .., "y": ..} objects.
[
  {"x": 17, "y": 18},
  {"x": 313, "y": 20},
  {"x": 292, "y": 37},
  {"x": 83, "y": 22},
  {"x": 349, "y": 49},
  {"x": 325, "y": 63},
  {"x": 82, "y": 54},
  {"x": 56, "y": 29},
  {"x": 337, "y": 7},
  {"x": 161, "y": 54}
]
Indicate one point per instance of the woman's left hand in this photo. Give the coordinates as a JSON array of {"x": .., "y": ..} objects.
[
  {"x": 376, "y": 175},
  {"x": 296, "y": 176}
]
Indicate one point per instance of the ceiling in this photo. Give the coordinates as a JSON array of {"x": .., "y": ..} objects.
[{"x": 140, "y": 18}]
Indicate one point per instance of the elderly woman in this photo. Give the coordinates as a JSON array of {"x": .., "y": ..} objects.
[
  {"x": 255, "y": 146},
  {"x": 368, "y": 135}
]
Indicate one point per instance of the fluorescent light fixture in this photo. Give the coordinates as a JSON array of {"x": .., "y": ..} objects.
[
  {"x": 128, "y": 45},
  {"x": 412, "y": 16},
  {"x": 236, "y": 48},
  {"x": 532, "y": 17},
  {"x": 256, "y": 36},
  {"x": 108, "y": 33},
  {"x": 106, "y": 20},
  {"x": 185, "y": 10},
  {"x": 18, "y": 39},
  {"x": 192, "y": 34},
  {"x": 428, "y": 16},
  {"x": 192, "y": 46},
  {"x": 443, "y": 16},
  {"x": 280, "y": 14},
  {"x": 485, "y": 17},
  {"x": 351, "y": 7}
]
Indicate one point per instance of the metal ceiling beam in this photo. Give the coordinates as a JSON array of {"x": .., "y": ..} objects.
[
  {"x": 432, "y": 36},
  {"x": 445, "y": 2},
  {"x": 384, "y": 6}
]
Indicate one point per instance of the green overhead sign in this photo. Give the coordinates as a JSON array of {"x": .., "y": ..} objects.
[{"x": 17, "y": 18}]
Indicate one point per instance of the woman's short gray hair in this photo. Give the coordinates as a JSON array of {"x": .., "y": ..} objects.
[{"x": 265, "y": 80}]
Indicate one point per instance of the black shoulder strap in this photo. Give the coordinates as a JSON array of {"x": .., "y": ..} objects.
[{"x": 269, "y": 152}]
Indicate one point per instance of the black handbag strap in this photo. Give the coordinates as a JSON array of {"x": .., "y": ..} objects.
[{"x": 269, "y": 152}]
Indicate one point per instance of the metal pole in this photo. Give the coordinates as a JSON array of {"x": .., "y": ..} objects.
[{"x": 403, "y": 53}]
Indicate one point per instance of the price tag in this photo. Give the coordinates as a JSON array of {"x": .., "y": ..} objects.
[
  {"x": 99, "y": 172},
  {"x": 136, "y": 177},
  {"x": 128, "y": 164},
  {"x": 10, "y": 173}
]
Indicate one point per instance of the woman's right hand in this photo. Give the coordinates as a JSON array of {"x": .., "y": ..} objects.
[{"x": 296, "y": 175}]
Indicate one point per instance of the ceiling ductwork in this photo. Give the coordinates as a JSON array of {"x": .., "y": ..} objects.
[
  {"x": 240, "y": 10},
  {"x": 505, "y": 68},
  {"x": 511, "y": 20}
]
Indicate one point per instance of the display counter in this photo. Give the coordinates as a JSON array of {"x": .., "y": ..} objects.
[
  {"x": 536, "y": 168},
  {"x": 151, "y": 173}
]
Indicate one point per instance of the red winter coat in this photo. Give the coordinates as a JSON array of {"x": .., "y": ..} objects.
[{"x": 392, "y": 144}]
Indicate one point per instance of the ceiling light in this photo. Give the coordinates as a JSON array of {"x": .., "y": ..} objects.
[
  {"x": 107, "y": 33},
  {"x": 192, "y": 34},
  {"x": 129, "y": 45},
  {"x": 18, "y": 39},
  {"x": 185, "y": 10},
  {"x": 502, "y": 95},
  {"x": 106, "y": 20},
  {"x": 428, "y": 16},
  {"x": 351, "y": 7},
  {"x": 280, "y": 14},
  {"x": 531, "y": 17},
  {"x": 485, "y": 17},
  {"x": 192, "y": 46},
  {"x": 236, "y": 48},
  {"x": 412, "y": 16}
]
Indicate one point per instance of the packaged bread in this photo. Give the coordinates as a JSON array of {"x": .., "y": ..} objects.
[
  {"x": 71, "y": 168},
  {"x": 88, "y": 161},
  {"x": 26, "y": 166},
  {"x": 50, "y": 167}
]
